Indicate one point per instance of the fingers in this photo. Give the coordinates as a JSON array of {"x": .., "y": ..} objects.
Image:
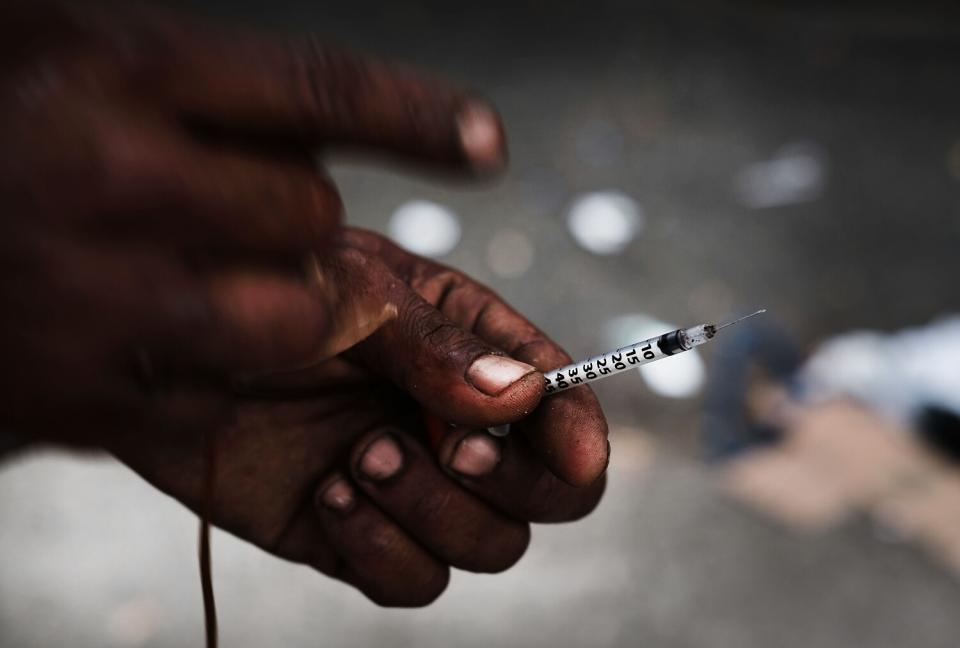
[
  {"x": 397, "y": 522},
  {"x": 320, "y": 95},
  {"x": 235, "y": 200},
  {"x": 169, "y": 325},
  {"x": 275, "y": 328},
  {"x": 506, "y": 474},
  {"x": 121, "y": 175},
  {"x": 568, "y": 429},
  {"x": 245, "y": 321},
  {"x": 454, "y": 374},
  {"x": 402, "y": 479},
  {"x": 202, "y": 197},
  {"x": 375, "y": 554}
]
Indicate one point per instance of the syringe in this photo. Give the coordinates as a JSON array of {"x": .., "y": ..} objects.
[
  {"x": 639, "y": 353},
  {"x": 628, "y": 357}
]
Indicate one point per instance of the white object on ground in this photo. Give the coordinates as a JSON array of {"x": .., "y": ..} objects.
[
  {"x": 897, "y": 374},
  {"x": 605, "y": 222},
  {"x": 795, "y": 174},
  {"x": 425, "y": 228}
]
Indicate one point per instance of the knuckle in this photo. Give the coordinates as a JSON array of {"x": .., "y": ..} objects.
[
  {"x": 451, "y": 291},
  {"x": 437, "y": 332},
  {"x": 426, "y": 324},
  {"x": 383, "y": 541},
  {"x": 446, "y": 277},
  {"x": 433, "y": 506},
  {"x": 437, "y": 286},
  {"x": 444, "y": 335}
]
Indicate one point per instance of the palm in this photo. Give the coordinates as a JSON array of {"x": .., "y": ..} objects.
[{"x": 268, "y": 462}]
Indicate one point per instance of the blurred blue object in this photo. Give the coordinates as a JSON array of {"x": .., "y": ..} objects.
[{"x": 727, "y": 430}]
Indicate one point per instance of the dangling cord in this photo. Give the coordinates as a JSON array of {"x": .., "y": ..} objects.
[{"x": 206, "y": 577}]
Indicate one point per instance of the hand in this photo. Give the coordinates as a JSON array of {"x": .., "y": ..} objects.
[
  {"x": 160, "y": 200},
  {"x": 330, "y": 466}
]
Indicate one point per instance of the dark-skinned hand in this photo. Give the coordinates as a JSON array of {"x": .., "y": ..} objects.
[
  {"x": 175, "y": 265},
  {"x": 331, "y": 466},
  {"x": 162, "y": 209}
]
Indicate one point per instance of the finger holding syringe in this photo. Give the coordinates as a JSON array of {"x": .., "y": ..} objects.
[{"x": 633, "y": 355}]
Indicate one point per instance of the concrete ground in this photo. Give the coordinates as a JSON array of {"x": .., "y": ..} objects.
[
  {"x": 665, "y": 561},
  {"x": 667, "y": 102}
]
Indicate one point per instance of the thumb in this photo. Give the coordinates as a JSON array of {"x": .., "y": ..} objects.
[
  {"x": 454, "y": 375},
  {"x": 355, "y": 296}
]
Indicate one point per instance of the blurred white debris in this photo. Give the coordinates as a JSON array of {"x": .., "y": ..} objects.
[
  {"x": 605, "y": 222},
  {"x": 795, "y": 174},
  {"x": 135, "y": 622},
  {"x": 599, "y": 143},
  {"x": 425, "y": 227},
  {"x": 510, "y": 253},
  {"x": 679, "y": 376},
  {"x": 896, "y": 374}
]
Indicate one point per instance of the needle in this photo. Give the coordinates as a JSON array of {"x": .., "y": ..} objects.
[
  {"x": 740, "y": 319},
  {"x": 628, "y": 357}
]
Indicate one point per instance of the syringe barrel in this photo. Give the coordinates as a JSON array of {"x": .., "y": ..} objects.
[{"x": 608, "y": 364}]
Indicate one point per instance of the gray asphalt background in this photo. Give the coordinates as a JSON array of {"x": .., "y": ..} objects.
[{"x": 663, "y": 101}]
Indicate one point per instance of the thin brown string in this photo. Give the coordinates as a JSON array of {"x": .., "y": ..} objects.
[{"x": 206, "y": 576}]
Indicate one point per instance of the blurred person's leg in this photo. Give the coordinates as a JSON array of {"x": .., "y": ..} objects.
[{"x": 753, "y": 365}]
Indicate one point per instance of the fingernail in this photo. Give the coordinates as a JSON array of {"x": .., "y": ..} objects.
[
  {"x": 477, "y": 455},
  {"x": 480, "y": 136},
  {"x": 338, "y": 496},
  {"x": 492, "y": 374},
  {"x": 382, "y": 459}
]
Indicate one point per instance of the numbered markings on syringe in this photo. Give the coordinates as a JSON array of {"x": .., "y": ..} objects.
[
  {"x": 548, "y": 387},
  {"x": 648, "y": 352},
  {"x": 607, "y": 364},
  {"x": 598, "y": 367}
]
